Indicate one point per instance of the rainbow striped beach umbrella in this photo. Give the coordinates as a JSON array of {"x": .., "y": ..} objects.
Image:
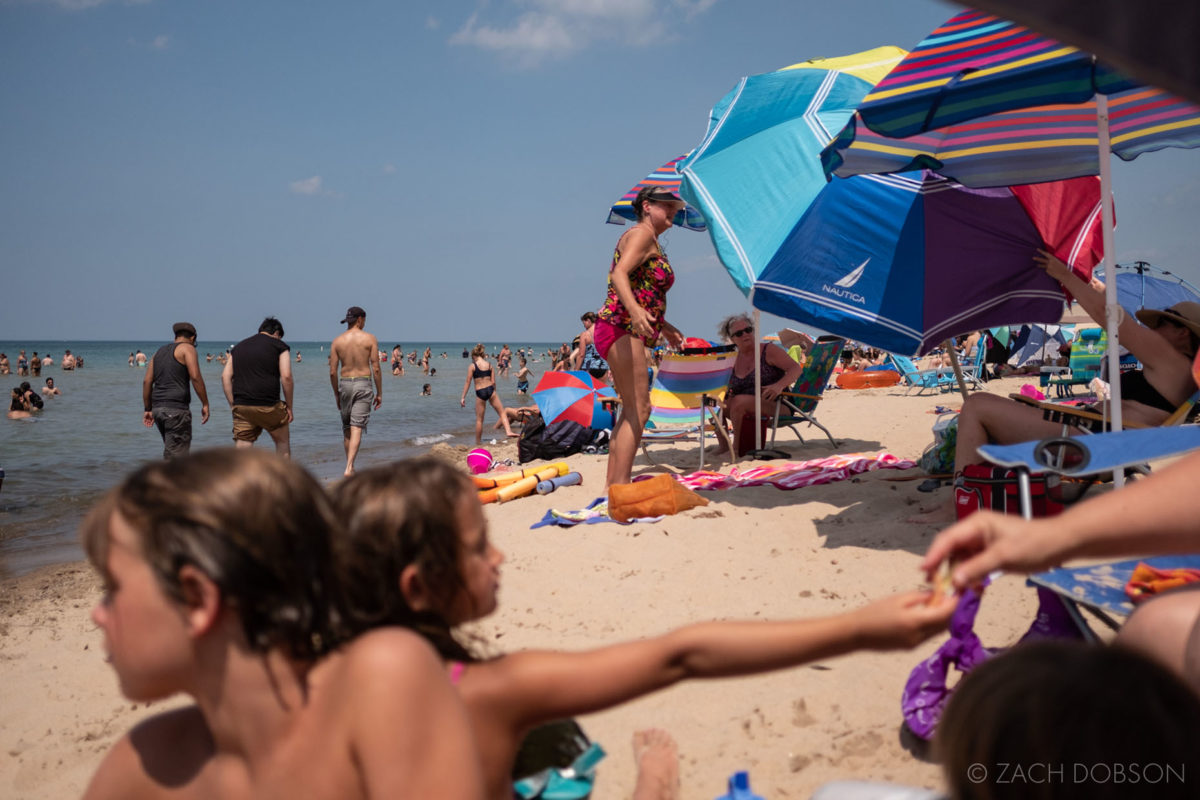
[
  {"x": 666, "y": 177},
  {"x": 999, "y": 88}
]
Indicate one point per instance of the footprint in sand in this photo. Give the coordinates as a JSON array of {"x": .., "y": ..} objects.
[{"x": 800, "y": 716}]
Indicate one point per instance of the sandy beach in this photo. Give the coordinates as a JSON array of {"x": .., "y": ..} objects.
[{"x": 752, "y": 553}]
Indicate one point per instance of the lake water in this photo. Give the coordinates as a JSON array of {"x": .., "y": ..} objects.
[{"x": 87, "y": 439}]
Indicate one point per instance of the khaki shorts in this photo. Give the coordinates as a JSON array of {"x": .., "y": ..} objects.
[{"x": 250, "y": 421}]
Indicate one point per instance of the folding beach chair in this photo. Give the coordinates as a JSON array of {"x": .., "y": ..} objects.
[
  {"x": 685, "y": 397},
  {"x": 799, "y": 404},
  {"x": 1096, "y": 587},
  {"x": 1072, "y": 416},
  {"x": 1099, "y": 588},
  {"x": 922, "y": 379},
  {"x": 1087, "y": 354},
  {"x": 972, "y": 371}
]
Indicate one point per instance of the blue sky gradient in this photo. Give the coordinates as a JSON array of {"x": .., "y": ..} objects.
[{"x": 446, "y": 165}]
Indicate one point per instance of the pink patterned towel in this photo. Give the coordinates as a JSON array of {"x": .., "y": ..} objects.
[{"x": 793, "y": 474}]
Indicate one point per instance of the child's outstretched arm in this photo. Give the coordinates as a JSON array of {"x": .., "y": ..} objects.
[{"x": 535, "y": 686}]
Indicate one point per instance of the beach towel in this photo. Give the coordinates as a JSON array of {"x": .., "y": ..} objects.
[
  {"x": 1147, "y": 581},
  {"x": 595, "y": 511},
  {"x": 795, "y": 474}
]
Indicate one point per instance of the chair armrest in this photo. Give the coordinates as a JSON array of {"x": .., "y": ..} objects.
[{"x": 1058, "y": 412}]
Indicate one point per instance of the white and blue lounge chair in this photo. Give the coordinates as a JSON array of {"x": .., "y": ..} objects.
[{"x": 923, "y": 379}]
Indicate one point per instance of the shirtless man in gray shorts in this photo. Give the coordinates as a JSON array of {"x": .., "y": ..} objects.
[{"x": 355, "y": 352}]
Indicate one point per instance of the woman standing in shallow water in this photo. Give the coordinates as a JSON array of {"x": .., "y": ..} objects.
[{"x": 632, "y": 319}]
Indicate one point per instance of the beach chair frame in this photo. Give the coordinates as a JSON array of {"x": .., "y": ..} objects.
[
  {"x": 922, "y": 379},
  {"x": 799, "y": 405},
  {"x": 685, "y": 398}
]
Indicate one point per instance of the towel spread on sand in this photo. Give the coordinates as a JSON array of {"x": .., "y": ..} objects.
[
  {"x": 790, "y": 475},
  {"x": 795, "y": 474},
  {"x": 1147, "y": 582},
  {"x": 596, "y": 511}
]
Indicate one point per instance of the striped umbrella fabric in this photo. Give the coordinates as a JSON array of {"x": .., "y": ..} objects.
[
  {"x": 975, "y": 65},
  {"x": 668, "y": 178},
  {"x": 1051, "y": 142}
]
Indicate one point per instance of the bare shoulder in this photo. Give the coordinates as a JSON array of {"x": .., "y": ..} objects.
[
  {"x": 387, "y": 651},
  {"x": 158, "y": 757}
]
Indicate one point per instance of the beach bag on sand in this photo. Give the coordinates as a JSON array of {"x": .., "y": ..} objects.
[
  {"x": 540, "y": 441},
  {"x": 927, "y": 690},
  {"x": 938, "y": 458},
  {"x": 556, "y": 760},
  {"x": 996, "y": 489},
  {"x": 653, "y": 497}
]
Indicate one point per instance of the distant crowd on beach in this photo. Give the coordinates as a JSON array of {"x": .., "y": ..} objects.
[{"x": 26, "y": 399}]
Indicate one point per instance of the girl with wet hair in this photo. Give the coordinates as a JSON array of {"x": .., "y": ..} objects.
[
  {"x": 415, "y": 552},
  {"x": 218, "y": 584}
]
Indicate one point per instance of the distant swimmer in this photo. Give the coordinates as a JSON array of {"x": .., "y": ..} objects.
[
  {"x": 131, "y": 359},
  {"x": 5, "y": 367},
  {"x": 255, "y": 370},
  {"x": 426, "y": 390},
  {"x": 397, "y": 360},
  {"x": 357, "y": 353},
  {"x": 68, "y": 361},
  {"x": 49, "y": 390},
  {"x": 140, "y": 359},
  {"x": 22, "y": 364},
  {"x": 18, "y": 406},
  {"x": 47, "y": 360},
  {"x": 166, "y": 398},
  {"x": 208, "y": 357},
  {"x": 35, "y": 365},
  {"x": 298, "y": 357}
]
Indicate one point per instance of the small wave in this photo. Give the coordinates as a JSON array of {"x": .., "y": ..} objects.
[{"x": 425, "y": 441}]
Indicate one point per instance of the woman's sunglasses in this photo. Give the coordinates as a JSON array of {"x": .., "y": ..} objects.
[{"x": 742, "y": 332}]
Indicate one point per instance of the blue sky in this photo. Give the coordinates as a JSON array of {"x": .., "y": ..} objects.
[{"x": 446, "y": 165}]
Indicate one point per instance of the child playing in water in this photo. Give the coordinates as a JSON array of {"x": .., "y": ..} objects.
[
  {"x": 416, "y": 553},
  {"x": 218, "y": 584}
]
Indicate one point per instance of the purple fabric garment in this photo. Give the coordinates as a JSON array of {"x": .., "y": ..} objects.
[
  {"x": 925, "y": 694},
  {"x": 1052, "y": 620}
]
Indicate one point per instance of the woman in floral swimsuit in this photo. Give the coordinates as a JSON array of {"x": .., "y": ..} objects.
[{"x": 633, "y": 317}]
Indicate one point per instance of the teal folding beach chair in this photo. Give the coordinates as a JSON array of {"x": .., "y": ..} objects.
[
  {"x": 1087, "y": 354},
  {"x": 922, "y": 379},
  {"x": 799, "y": 404}
]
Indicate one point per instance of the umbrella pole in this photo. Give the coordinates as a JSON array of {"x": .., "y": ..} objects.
[
  {"x": 757, "y": 383},
  {"x": 1112, "y": 310},
  {"x": 962, "y": 385}
]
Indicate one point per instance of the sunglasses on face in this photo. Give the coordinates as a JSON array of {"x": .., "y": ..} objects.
[{"x": 742, "y": 332}]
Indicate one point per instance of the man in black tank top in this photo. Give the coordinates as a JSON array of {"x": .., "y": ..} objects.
[
  {"x": 166, "y": 398},
  {"x": 254, "y": 371}
]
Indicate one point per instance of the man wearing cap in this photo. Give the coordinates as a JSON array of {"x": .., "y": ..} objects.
[
  {"x": 166, "y": 398},
  {"x": 354, "y": 351},
  {"x": 254, "y": 371}
]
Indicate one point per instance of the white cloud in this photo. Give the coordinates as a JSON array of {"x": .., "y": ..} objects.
[
  {"x": 389, "y": 169},
  {"x": 432, "y": 23},
  {"x": 539, "y": 29},
  {"x": 308, "y": 186},
  {"x": 160, "y": 42}
]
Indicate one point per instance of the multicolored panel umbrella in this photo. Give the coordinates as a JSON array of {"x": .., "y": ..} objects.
[
  {"x": 901, "y": 262},
  {"x": 668, "y": 178},
  {"x": 757, "y": 168},
  {"x": 573, "y": 395},
  {"x": 975, "y": 65},
  {"x": 1050, "y": 142}
]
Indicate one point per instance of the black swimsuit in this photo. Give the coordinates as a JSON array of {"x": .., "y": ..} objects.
[
  {"x": 486, "y": 392},
  {"x": 1135, "y": 387},
  {"x": 745, "y": 385}
]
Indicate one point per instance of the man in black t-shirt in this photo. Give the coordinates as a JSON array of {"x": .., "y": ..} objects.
[{"x": 252, "y": 387}]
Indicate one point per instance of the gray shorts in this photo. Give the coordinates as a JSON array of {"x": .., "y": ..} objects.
[
  {"x": 175, "y": 425},
  {"x": 356, "y": 396}
]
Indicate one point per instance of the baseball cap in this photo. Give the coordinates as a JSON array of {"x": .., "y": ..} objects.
[
  {"x": 181, "y": 328},
  {"x": 353, "y": 313}
]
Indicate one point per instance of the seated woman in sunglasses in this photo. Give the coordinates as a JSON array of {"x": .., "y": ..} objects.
[
  {"x": 779, "y": 373},
  {"x": 1165, "y": 345}
]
